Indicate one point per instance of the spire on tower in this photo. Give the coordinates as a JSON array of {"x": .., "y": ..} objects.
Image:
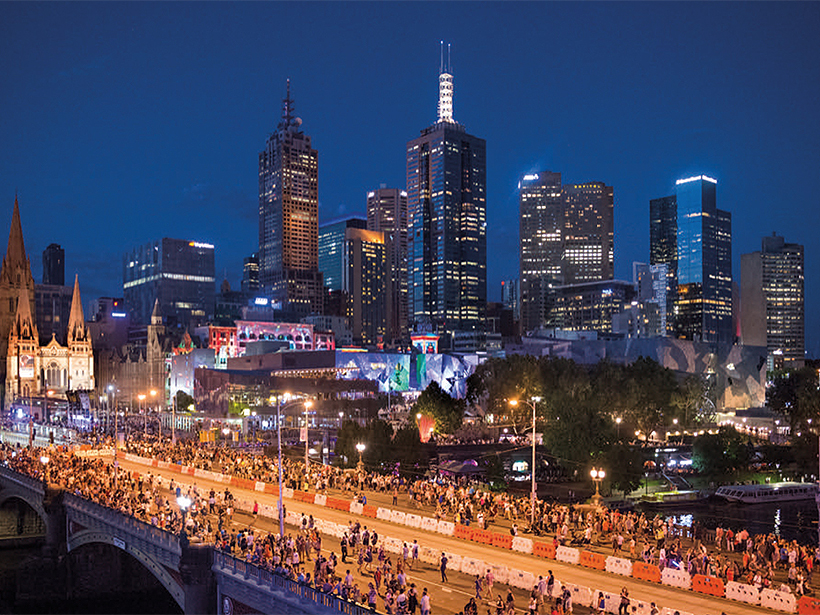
[
  {"x": 445, "y": 89},
  {"x": 76, "y": 319},
  {"x": 287, "y": 109}
]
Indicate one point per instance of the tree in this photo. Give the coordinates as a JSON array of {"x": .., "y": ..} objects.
[
  {"x": 649, "y": 388},
  {"x": 721, "y": 453},
  {"x": 795, "y": 395},
  {"x": 624, "y": 467},
  {"x": 434, "y": 402},
  {"x": 183, "y": 400},
  {"x": 408, "y": 450},
  {"x": 349, "y": 435}
]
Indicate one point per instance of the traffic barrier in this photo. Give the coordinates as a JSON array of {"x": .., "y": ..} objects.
[
  {"x": 522, "y": 545},
  {"x": 618, "y": 565},
  {"x": 580, "y": 595},
  {"x": 413, "y": 520},
  {"x": 611, "y": 601},
  {"x": 808, "y": 606},
  {"x": 445, "y": 527},
  {"x": 647, "y": 572},
  {"x": 272, "y": 488},
  {"x": 292, "y": 518},
  {"x": 357, "y": 508},
  {"x": 188, "y": 470},
  {"x": 383, "y": 513},
  {"x": 398, "y": 517},
  {"x": 453, "y": 561},
  {"x": 427, "y": 523},
  {"x": 163, "y": 465},
  {"x": 394, "y": 545},
  {"x": 500, "y": 573},
  {"x": 202, "y": 473},
  {"x": 543, "y": 549},
  {"x": 472, "y": 566},
  {"x": 175, "y": 468},
  {"x": 484, "y": 537},
  {"x": 309, "y": 498},
  {"x": 369, "y": 511},
  {"x": 569, "y": 555},
  {"x": 502, "y": 540},
  {"x": 429, "y": 555},
  {"x": 462, "y": 531},
  {"x": 779, "y": 601},
  {"x": 708, "y": 585},
  {"x": 742, "y": 592},
  {"x": 521, "y": 579},
  {"x": 320, "y": 499},
  {"x": 260, "y": 486},
  {"x": 154, "y": 462},
  {"x": 676, "y": 578},
  {"x": 589, "y": 559}
]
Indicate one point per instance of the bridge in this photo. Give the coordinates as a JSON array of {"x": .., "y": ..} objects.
[{"x": 198, "y": 578}]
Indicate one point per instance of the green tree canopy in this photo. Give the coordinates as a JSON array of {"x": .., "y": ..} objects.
[
  {"x": 795, "y": 396},
  {"x": 447, "y": 412},
  {"x": 721, "y": 453}
]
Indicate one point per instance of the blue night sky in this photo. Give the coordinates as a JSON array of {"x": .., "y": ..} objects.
[{"x": 121, "y": 123}]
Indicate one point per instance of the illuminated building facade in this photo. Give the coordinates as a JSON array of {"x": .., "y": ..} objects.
[
  {"x": 447, "y": 234},
  {"x": 289, "y": 217},
  {"x": 177, "y": 273},
  {"x": 331, "y": 247},
  {"x": 367, "y": 285},
  {"x": 591, "y": 306},
  {"x": 701, "y": 260},
  {"x": 250, "y": 274},
  {"x": 387, "y": 213},
  {"x": 566, "y": 237},
  {"x": 772, "y": 305}
]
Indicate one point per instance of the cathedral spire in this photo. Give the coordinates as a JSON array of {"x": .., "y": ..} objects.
[
  {"x": 156, "y": 315},
  {"x": 76, "y": 319},
  {"x": 15, "y": 258},
  {"x": 23, "y": 327}
]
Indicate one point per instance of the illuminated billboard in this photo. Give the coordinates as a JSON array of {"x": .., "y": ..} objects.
[{"x": 26, "y": 366}]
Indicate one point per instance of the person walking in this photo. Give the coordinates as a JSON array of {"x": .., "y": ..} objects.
[
  {"x": 443, "y": 567},
  {"x": 623, "y": 607},
  {"x": 425, "y": 602}
]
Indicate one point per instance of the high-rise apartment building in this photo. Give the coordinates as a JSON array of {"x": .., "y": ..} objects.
[
  {"x": 387, "y": 213},
  {"x": 179, "y": 274},
  {"x": 289, "y": 217},
  {"x": 566, "y": 237},
  {"x": 700, "y": 259},
  {"x": 250, "y": 274},
  {"x": 54, "y": 265},
  {"x": 772, "y": 301},
  {"x": 447, "y": 223}
]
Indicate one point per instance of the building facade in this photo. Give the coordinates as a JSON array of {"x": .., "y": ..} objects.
[
  {"x": 772, "y": 301},
  {"x": 177, "y": 273},
  {"x": 54, "y": 265},
  {"x": 699, "y": 260},
  {"x": 447, "y": 220},
  {"x": 331, "y": 248},
  {"x": 387, "y": 213},
  {"x": 367, "y": 285},
  {"x": 289, "y": 217}
]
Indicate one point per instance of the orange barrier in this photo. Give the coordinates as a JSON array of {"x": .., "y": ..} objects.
[
  {"x": 175, "y": 468},
  {"x": 272, "y": 488},
  {"x": 808, "y": 606},
  {"x": 462, "y": 531},
  {"x": 543, "y": 549},
  {"x": 502, "y": 540},
  {"x": 647, "y": 572},
  {"x": 706, "y": 585},
  {"x": 484, "y": 537},
  {"x": 188, "y": 470},
  {"x": 369, "y": 511},
  {"x": 593, "y": 560}
]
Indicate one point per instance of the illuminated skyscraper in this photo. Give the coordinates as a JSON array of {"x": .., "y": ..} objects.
[
  {"x": 447, "y": 234},
  {"x": 289, "y": 217},
  {"x": 566, "y": 237},
  {"x": 700, "y": 261},
  {"x": 387, "y": 213}
]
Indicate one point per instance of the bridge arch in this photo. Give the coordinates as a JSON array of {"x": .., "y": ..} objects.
[
  {"x": 166, "y": 579},
  {"x": 35, "y": 503}
]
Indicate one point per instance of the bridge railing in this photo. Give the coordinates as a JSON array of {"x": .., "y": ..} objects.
[
  {"x": 32, "y": 484},
  {"x": 261, "y": 576}
]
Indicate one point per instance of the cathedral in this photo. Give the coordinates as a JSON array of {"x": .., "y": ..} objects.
[{"x": 29, "y": 369}]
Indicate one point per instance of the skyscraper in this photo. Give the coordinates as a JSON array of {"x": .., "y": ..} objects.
[
  {"x": 701, "y": 259},
  {"x": 772, "y": 301},
  {"x": 663, "y": 249},
  {"x": 387, "y": 213},
  {"x": 289, "y": 217},
  {"x": 250, "y": 274},
  {"x": 566, "y": 237},
  {"x": 54, "y": 265},
  {"x": 447, "y": 234}
]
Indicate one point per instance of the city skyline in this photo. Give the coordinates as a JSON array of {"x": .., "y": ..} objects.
[{"x": 154, "y": 113}]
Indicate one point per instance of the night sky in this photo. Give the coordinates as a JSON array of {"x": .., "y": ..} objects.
[{"x": 121, "y": 123}]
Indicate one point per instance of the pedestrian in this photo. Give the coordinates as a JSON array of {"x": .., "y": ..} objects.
[
  {"x": 425, "y": 602},
  {"x": 623, "y": 607},
  {"x": 550, "y": 583},
  {"x": 477, "y": 587},
  {"x": 344, "y": 548},
  {"x": 412, "y": 599},
  {"x": 601, "y": 603},
  {"x": 415, "y": 553},
  {"x": 443, "y": 567}
]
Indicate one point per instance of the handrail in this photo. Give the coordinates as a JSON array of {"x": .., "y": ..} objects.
[{"x": 239, "y": 566}]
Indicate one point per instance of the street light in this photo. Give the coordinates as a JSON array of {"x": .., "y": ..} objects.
[
  {"x": 159, "y": 420},
  {"x": 44, "y": 460},
  {"x": 183, "y": 503},
  {"x": 618, "y": 423},
  {"x": 535, "y": 400},
  {"x": 279, "y": 441},
  {"x": 142, "y": 397},
  {"x": 597, "y": 477},
  {"x": 360, "y": 447},
  {"x": 308, "y": 404}
]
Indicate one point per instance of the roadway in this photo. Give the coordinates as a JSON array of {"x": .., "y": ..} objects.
[{"x": 662, "y": 595}]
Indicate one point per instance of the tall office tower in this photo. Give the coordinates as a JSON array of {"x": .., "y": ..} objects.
[
  {"x": 289, "y": 217},
  {"x": 510, "y": 296},
  {"x": 651, "y": 283},
  {"x": 177, "y": 273},
  {"x": 663, "y": 249},
  {"x": 567, "y": 237},
  {"x": 772, "y": 304},
  {"x": 54, "y": 265},
  {"x": 447, "y": 234},
  {"x": 366, "y": 285},
  {"x": 387, "y": 213},
  {"x": 250, "y": 274},
  {"x": 331, "y": 249},
  {"x": 701, "y": 259}
]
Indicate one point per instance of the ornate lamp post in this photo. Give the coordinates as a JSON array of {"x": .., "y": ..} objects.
[
  {"x": 534, "y": 494},
  {"x": 44, "y": 460},
  {"x": 308, "y": 404},
  {"x": 597, "y": 476},
  {"x": 183, "y": 503},
  {"x": 360, "y": 447}
]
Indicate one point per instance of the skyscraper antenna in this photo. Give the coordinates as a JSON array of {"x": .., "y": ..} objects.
[
  {"x": 287, "y": 107},
  {"x": 445, "y": 88},
  {"x": 441, "y": 62},
  {"x": 449, "y": 66}
]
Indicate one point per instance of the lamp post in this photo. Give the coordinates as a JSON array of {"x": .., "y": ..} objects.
[
  {"x": 159, "y": 420},
  {"x": 174, "y": 420},
  {"x": 279, "y": 441},
  {"x": 360, "y": 447},
  {"x": 44, "y": 460},
  {"x": 141, "y": 397},
  {"x": 618, "y": 423},
  {"x": 534, "y": 495},
  {"x": 183, "y": 503},
  {"x": 308, "y": 404},
  {"x": 597, "y": 476}
]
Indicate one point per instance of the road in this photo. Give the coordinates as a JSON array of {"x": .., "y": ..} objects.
[{"x": 662, "y": 595}]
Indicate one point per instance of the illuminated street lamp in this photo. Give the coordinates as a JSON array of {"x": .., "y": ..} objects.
[
  {"x": 159, "y": 420},
  {"x": 308, "y": 404},
  {"x": 597, "y": 476},
  {"x": 44, "y": 460},
  {"x": 279, "y": 441},
  {"x": 534, "y": 498},
  {"x": 360, "y": 447},
  {"x": 183, "y": 503},
  {"x": 618, "y": 423},
  {"x": 142, "y": 397}
]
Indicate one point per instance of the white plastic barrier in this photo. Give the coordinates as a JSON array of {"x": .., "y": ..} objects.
[
  {"x": 163, "y": 465},
  {"x": 521, "y": 579},
  {"x": 320, "y": 499},
  {"x": 427, "y": 523},
  {"x": 287, "y": 492},
  {"x": 780, "y": 601},
  {"x": 202, "y": 474},
  {"x": 676, "y": 578},
  {"x": 385, "y": 514},
  {"x": 446, "y": 527},
  {"x": 742, "y": 592},
  {"x": 472, "y": 566},
  {"x": 580, "y": 595},
  {"x": 292, "y": 518},
  {"x": 568, "y": 555},
  {"x": 259, "y": 486},
  {"x": 398, "y": 517},
  {"x": 394, "y": 545},
  {"x": 523, "y": 545},
  {"x": 412, "y": 520},
  {"x": 611, "y": 601},
  {"x": 453, "y": 561},
  {"x": 429, "y": 555},
  {"x": 500, "y": 573},
  {"x": 356, "y": 508},
  {"x": 618, "y": 565}
]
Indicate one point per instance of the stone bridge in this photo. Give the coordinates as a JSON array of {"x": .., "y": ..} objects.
[{"x": 198, "y": 578}]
